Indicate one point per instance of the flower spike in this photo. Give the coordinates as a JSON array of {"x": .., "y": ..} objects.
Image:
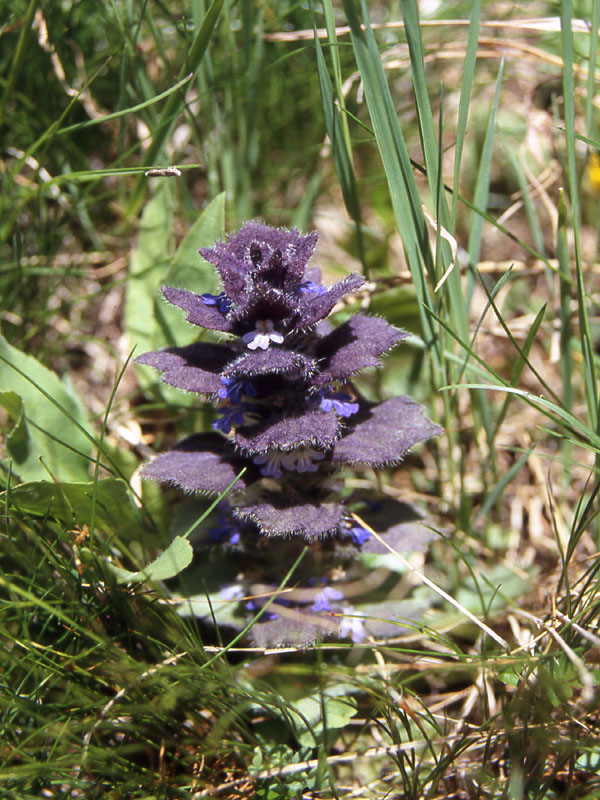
[{"x": 289, "y": 414}]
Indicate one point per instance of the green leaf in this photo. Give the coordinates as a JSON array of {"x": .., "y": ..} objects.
[
  {"x": 404, "y": 193},
  {"x": 71, "y": 503},
  {"x": 468, "y": 70},
  {"x": 510, "y": 675},
  {"x": 147, "y": 268},
  {"x": 307, "y": 712},
  {"x": 188, "y": 270},
  {"x": 399, "y": 306},
  {"x": 48, "y": 421},
  {"x": 171, "y": 562},
  {"x": 497, "y": 587},
  {"x": 17, "y": 440}
]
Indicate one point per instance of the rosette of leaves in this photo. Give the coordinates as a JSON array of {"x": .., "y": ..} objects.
[{"x": 287, "y": 411}]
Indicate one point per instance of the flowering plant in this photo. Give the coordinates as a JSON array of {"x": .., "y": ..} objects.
[{"x": 289, "y": 414}]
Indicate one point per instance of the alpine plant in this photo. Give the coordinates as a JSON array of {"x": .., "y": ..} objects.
[{"x": 287, "y": 411}]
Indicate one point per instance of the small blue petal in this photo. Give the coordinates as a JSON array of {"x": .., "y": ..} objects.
[
  {"x": 322, "y": 599},
  {"x": 234, "y": 388},
  {"x": 340, "y": 403},
  {"x": 225, "y": 531},
  {"x": 310, "y": 287},
  {"x": 358, "y": 534},
  {"x": 220, "y": 300},
  {"x": 352, "y": 626},
  {"x": 231, "y": 415}
]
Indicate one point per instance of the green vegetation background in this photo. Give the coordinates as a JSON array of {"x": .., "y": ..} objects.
[{"x": 450, "y": 154}]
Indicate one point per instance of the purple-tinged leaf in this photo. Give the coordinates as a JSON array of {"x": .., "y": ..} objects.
[
  {"x": 295, "y": 627},
  {"x": 283, "y": 517},
  {"x": 353, "y": 346},
  {"x": 314, "y": 307},
  {"x": 200, "y": 463},
  {"x": 197, "y": 311},
  {"x": 398, "y": 524},
  {"x": 271, "y": 362},
  {"x": 388, "y": 619},
  {"x": 384, "y": 434},
  {"x": 286, "y": 432},
  {"x": 194, "y": 368}
]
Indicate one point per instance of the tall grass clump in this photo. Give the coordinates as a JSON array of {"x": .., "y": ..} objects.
[{"x": 447, "y": 158}]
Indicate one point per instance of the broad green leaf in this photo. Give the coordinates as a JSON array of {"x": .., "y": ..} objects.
[
  {"x": 499, "y": 586},
  {"x": 188, "y": 270},
  {"x": 71, "y": 503},
  {"x": 400, "y": 306},
  {"x": 339, "y": 710},
  {"x": 17, "y": 439},
  {"x": 171, "y": 562},
  {"x": 147, "y": 269},
  {"x": 47, "y": 421}
]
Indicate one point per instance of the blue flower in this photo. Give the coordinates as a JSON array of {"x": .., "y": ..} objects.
[
  {"x": 358, "y": 534},
  {"x": 220, "y": 300},
  {"x": 323, "y": 597},
  {"x": 226, "y": 531},
  {"x": 231, "y": 415},
  {"x": 262, "y": 335},
  {"x": 352, "y": 626},
  {"x": 310, "y": 287},
  {"x": 339, "y": 402},
  {"x": 271, "y": 464},
  {"x": 234, "y": 388}
]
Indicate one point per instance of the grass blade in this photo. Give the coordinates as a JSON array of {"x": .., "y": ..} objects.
[
  {"x": 175, "y": 103},
  {"x": 496, "y": 492},
  {"x": 566, "y": 339},
  {"x": 465, "y": 99},
  {"x": 456, "y": 305},
  {"x": 342, "y": 154},
  {"x": 396, "y": 162},
  {"x": 131, "y": 110},
  {"x": 18, "y": 57},
  {"x": 587, "y": 348},
  {"x": 482, "y": 184}
]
